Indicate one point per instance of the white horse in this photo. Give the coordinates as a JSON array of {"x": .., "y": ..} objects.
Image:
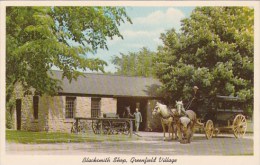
[{"x": 167, "y": 119}]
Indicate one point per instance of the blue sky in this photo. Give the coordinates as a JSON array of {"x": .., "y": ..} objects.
[{"x": 148, "y": 24}]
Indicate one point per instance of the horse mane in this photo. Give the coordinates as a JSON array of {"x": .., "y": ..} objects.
[
  {"x": 161, "y": 105},
  {"x": 169, "y": 110}
]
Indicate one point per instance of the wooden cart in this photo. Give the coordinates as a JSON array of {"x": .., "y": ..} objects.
[{"x": 110, "y": 123}]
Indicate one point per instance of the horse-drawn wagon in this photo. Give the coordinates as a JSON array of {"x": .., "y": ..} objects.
[
  {"x": 224, "y": 113},
  {"x": 110, "y": 123}
]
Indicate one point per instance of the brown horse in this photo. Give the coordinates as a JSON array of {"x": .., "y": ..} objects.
[
  {"x": 127, "y": 113},
  {"x": 188, "y": 127}
]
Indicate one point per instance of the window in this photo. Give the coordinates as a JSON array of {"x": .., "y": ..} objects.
[
  {"x": 95, "y": 107},
  {"x": 70, "y": 101},
  {"x": 35, "y": 106}
]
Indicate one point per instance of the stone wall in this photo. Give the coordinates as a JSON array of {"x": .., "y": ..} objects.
[
  {"x": 17, "y": 94},
  {"x": 51, "y": 110},
  {"x": 108, "y": 105},
  {"x": 83, "y": 107},
  {"x": 56, "y": 114},
  {"x": 28, "y": 122},
  {"x": 56, "y": 118}
]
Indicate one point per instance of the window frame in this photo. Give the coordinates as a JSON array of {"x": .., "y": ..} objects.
[
  {"x": 95, "y": 109},
  {"x": 70, "y": 103}
]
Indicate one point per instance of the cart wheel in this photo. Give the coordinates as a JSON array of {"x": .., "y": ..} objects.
[
  {"x": 209, "y": 129},
  {"x": 106, "y": 127},
  {"x": 126, "y": 129},
  {"x": 74, "y": 129},
  {"x": 80, "y": 128},
  {"x": 239, "y": 126},
  {"x": 96, "y": 127}
]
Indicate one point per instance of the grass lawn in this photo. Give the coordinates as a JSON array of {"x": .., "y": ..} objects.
[{"x": 54, "y": 137}]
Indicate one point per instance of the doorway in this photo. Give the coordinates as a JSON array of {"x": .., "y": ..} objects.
[
  {"x": 133, "y": 103},
  {"x": 18, "y": 113}
]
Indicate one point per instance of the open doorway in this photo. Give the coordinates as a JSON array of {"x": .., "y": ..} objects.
[
  {"x": 133, "y": 103},
  {"x": 18, "y": 113}
]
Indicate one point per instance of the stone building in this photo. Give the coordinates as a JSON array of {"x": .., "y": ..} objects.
[{"x": 90, "y": 95}]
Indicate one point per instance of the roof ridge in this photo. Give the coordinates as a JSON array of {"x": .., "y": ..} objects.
[{"x": 104, "y": 74}]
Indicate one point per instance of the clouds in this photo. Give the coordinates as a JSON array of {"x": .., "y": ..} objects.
[
  {"x": 148, "y": 24},
  {"x": 147, "y": 28},
  {"x": 168, "y": 18}
]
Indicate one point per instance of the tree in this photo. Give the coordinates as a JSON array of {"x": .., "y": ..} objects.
[
  {"x": 213, "y": 50},
  {"x": 40, "y": 38},
  {"x": 135, "y": 63}
]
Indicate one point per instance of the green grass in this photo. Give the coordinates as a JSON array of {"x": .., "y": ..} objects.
[{"x": 54, "y": 137}]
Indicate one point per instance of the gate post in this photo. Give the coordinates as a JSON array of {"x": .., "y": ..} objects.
[
  {"x": 131, "y": 128},
  {"x": 101, "y": 127},
  {"x": 77, "y": 126}
]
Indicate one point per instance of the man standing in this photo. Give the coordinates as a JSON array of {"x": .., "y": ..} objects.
[{"x": 138, "y": 119}]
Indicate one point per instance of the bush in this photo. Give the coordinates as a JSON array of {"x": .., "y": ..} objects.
[
  {"x": 157, "y": 125},
  {"x": 8, "y": 120}
]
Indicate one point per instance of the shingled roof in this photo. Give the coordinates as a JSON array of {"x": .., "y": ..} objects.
[{"x": 110, "y": 85}]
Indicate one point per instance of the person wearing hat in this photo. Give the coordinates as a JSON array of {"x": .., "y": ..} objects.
[
  {"x": 138, "y": 119},
  {"x": 195, "y": 88},
  {"x": 196, "y": 99}
]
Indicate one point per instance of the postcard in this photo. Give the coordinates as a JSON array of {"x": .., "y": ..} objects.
[{"x": 129, "y": 82}]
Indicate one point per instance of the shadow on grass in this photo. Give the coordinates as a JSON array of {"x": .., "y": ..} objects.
[{"x": 26, "y": 137}]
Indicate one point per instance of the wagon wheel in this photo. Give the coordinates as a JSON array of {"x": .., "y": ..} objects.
[
  {"x": 74, "y": 128},
  {"x": 115, "y": 128},
  {"x": 83, "y": 127},
  {"x": 96, "y": 126},
  {"x": 106, "y": 127},
  {"x": 209, "y": 129},
  {"x": 126, "y": 128},
  {"x": 239, "y": 126},
  {"x": 80, "y": 128}
]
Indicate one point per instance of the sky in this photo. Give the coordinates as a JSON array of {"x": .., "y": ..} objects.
[{"x": 148, "y": 24}]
